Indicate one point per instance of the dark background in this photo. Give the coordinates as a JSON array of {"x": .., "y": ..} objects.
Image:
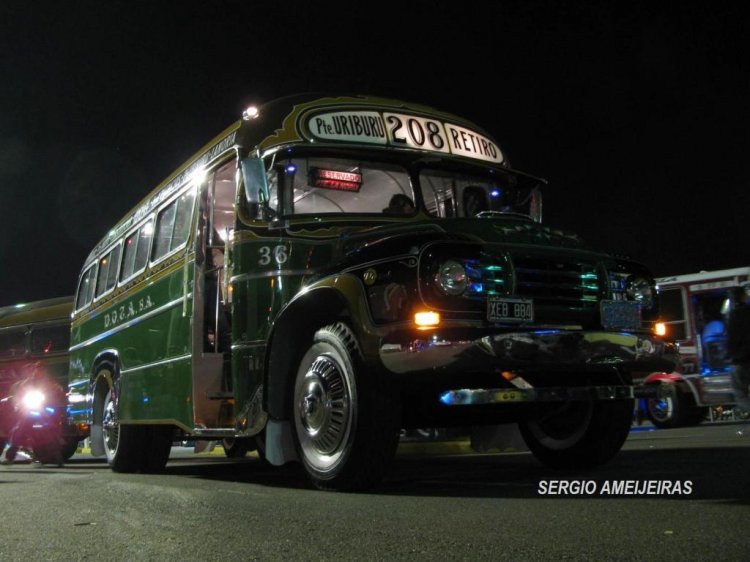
[{"x": 637, "y": 113}]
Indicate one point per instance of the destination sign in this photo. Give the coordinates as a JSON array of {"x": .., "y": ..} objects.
[{"x": 403, "y": 130}]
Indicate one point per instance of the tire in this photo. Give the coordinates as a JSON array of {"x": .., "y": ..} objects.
[
  {"x": 156, "y": 447},
  {"x": 237, "y": 447},
  {"x": 579, "y": 434},
  {"x": 674, "y": 409},
  {"x": 123, "y": 444},
  {"x": 69, "y": 448},
  {"x": 346, "y": 419},
  {"x": 48, "y": 453}
]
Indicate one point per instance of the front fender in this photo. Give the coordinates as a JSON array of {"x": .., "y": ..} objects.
[{"x": 327, "y": 300}]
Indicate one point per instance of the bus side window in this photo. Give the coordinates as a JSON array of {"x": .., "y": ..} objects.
[
  {"x": 50, "y": 339},
  {"x": 108, "y": 268},
  {"x": 135, "y": 255},
  {"x": 173, "y": 225},
  {"x": 85, "y": 289},
  {"x": 164, "y": 227},
  {"x": 145, "y": 235},
  {"x": 13, "y": 343}
]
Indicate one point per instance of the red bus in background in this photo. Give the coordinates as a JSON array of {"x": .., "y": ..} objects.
[{"x": 694, "y": 309}]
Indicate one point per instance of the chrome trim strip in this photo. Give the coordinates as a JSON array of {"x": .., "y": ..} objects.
[
  {"x": 268, "y": 274},
  {"x": 157, "y": 364},
  {"x": 249, "y": 345}
]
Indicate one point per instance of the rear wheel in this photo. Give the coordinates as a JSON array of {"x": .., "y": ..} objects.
[
  {"x": 129, "y": 447},
  {"x": 346, "y": 422},
  {"x": 579, "y": 434},
  {"x": 156, "y": 447},
  {"x": 122, "y": 443}
]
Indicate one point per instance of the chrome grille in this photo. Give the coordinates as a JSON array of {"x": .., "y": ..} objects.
[
  {"x": 487, "y": 277},
  {"x": 556, "y": 281}
]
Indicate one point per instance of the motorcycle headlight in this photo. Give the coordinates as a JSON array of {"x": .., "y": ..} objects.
[
  {"x": 641, "y": 290},
  {"x": 33, "y": 399},
  {"x": 451, "y": 278}
]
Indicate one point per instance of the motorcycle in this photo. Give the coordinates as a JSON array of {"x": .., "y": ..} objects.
[{"x": 35, "y": 421}]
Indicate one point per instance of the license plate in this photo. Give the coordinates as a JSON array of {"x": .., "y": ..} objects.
[
  {"x": 500, "y": 309},
  {"x": 620, "y": 314}
]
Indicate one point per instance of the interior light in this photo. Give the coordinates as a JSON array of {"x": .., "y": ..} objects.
[{"x": 427, "y": 319}]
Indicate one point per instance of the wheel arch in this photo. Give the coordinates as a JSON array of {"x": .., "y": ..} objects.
[
  {"x": 681, "y": 382},
  {"x": 297, "y": 323}
]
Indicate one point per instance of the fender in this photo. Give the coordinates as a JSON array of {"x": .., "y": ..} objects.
[
  {"x": 666, "y": 378},
  {"x": 319, "y": 304},
  {"x": 679, "y": 379}
]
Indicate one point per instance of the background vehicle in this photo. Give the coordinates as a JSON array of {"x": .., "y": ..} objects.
[
  {"x": 34, "y": 340},
  {"x": 330, "y": 270},
  {"x": 694, "y": 309}
]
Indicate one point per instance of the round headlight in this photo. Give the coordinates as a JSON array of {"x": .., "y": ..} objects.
[
  {"x": 641, "y": 290},
  {"x": 451, "y": 278}
]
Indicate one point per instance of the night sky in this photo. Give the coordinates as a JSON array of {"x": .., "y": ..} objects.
[{"x": 637, "y": 113}]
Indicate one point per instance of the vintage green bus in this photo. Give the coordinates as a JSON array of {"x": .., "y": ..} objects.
[
  {"x": 329, "y": 270},
  {"x": 34, "y": 341}
]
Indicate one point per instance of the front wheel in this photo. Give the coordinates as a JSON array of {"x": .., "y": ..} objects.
[
  {"x": 579, "y": 434},
  {"x": 673, "y": 408},
  {"x": 69, "y": 447},
  {"x": 346, "y": 420}
]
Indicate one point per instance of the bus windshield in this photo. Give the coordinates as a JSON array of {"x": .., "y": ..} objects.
[
  {"x": 449, "y": 194},
  {"x": 336, "y": 185},
  {"x": 328, "y": 185}
]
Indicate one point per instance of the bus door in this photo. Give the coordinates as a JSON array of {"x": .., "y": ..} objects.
[{"x": 212, "y": 386}]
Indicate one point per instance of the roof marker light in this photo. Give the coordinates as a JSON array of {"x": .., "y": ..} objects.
[{"x": 250, "y": 113}]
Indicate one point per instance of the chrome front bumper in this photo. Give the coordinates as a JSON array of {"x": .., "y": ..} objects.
[
  {"x": 474, "y": 397},
  {"x": 447, "y": 350}
]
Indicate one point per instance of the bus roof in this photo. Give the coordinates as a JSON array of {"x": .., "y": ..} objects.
[
  {"x": 327, "y": 120},
  {"x": 739, "y": 274},
  {"x": 37, "y": 311}
]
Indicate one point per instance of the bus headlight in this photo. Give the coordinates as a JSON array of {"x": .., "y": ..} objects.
[
  {"x": 451, "y": 278},
  {"x": 640, "y": 289}
]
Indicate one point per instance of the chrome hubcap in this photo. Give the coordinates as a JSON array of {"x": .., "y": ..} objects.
[
  {"x": 110, "y": 425},
  {"x": 323, "y": 407}
]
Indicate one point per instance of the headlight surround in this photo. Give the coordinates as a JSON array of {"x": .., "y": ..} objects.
[
  {"x": 451, "y": 279},
  {"x": 640, "y": 289}
]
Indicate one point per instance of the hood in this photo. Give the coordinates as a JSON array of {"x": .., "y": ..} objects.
[{"x": 388, "y": 240}]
